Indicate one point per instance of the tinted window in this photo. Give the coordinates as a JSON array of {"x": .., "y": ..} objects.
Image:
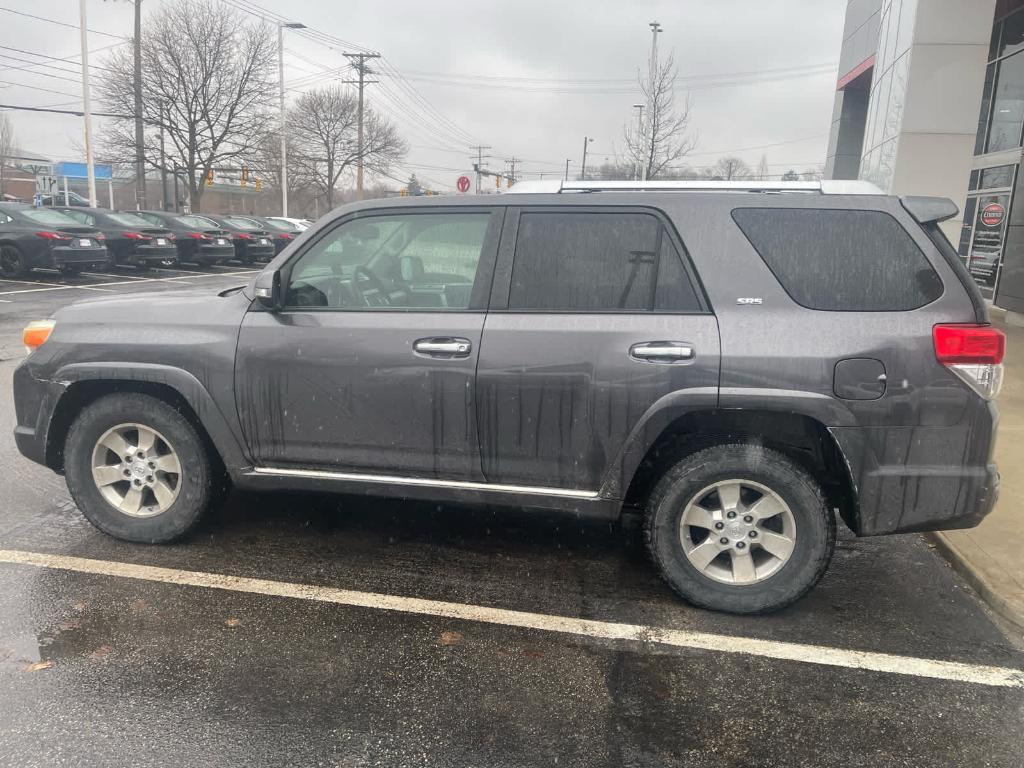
[
  {"x": 594, "y": 262},
  {"x": 247, "y": 224},
  {"x": 841, "y": 260},
  {"x": 198, "y": 222},
  {"x": 128, "y": 220},
  {"x": 402, "y": 261},
  {"x": 52, "y": 218}
]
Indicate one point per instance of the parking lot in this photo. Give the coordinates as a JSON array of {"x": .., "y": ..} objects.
[{"x": 304, "y": 630}]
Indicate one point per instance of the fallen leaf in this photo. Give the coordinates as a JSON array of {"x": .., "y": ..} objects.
[
  {"x": 449, "y": 638},
  {"x": 101, "y": 653},
  {"x": 79, "y": 606},
  {"x": 38, "y": 665},
  {"x": 234, "y": 622}
]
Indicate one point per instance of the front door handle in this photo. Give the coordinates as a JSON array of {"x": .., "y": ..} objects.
[
  {"x": 661, "y": 351},
  {"x": 443, "y": 346}
]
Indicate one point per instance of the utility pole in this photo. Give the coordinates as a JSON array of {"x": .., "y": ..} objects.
[
  {"x": 479, "y": 162},
  {"x": 140, "y": 153},
  {"x": 281, "y": 26},
  {"x": 567, "y": 161},
  {"x": 652, "y": 115},
  {"x": 87, "y": 108},
  {"x": 511, "y": 163},
  {"x": 583, "y": 167},
  {"x": 360, "y": 65},
  {"x": 638, "y": 171},
  {"x": 163, "y": 170}
]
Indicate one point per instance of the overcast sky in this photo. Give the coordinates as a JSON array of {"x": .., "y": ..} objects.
[{"x": 531, "y": 78}]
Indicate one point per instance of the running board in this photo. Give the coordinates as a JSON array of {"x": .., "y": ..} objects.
[{"x": 316, "y": 474}]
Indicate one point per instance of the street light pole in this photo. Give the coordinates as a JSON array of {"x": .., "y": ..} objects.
[
  {"x": 281, "y": 25},
  {"x": 567, "y": 169},
  {"x": 638, "y": 170},
  {"x": 583, "y": 166},
  {"x": 86, "y": 108}
]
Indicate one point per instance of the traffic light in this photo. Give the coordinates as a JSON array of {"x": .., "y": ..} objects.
[
  {"x": 209, "y": 178},
  {"x": 259, "y": 184},
  {"x": 497, "y": 182},
  {"x": 245, "y": 176},
  {"x": 511, "y": 181}
]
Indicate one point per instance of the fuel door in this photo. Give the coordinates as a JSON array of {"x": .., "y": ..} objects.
[{"x": 859, "y": 378}]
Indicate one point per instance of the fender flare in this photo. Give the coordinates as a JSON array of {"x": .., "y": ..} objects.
[{"x": 226, "y": 439}]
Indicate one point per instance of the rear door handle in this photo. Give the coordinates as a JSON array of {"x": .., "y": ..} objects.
[
  {"x": 661, "y": 351},
  {"x": 443, "y": 346}
]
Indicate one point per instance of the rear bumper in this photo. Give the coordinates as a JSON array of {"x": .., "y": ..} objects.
[
  {"x": 156, "y": 253},
  {"x": 211, "y": 254},
  {"x": 260, "y": 252},
  {"x": 66, "y": 255},
  {"x": 922, "y": 478}
]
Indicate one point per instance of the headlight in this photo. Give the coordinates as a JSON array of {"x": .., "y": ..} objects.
[{"x": 36, "y": 333}]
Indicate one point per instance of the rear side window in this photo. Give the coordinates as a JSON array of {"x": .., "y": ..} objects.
[
  {"x": 598, "y": 262},
  {"x": 854, "y": 261}
]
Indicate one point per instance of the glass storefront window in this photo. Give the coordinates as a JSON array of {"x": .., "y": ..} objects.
[
  {"x": 1013, "y": 34},
  {"x": 1007, "y": 105},
  {"x": 998, "y": 176},
  {"x": 968, "y": 226},
  {"x": 986, "y": 105},
  {"x": 987, "y": 249}
]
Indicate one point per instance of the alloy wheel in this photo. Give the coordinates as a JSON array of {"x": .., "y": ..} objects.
[{"x": 136, "y": 470}]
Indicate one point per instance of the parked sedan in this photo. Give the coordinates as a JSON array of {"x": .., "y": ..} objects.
[
  {"x": 252, "y": 240},
  {"x": 283, "y": 232},
  {"x": 200, "y": 240},
  {"x": 37, "y": 237},
  {"x": 130, "y": 238}
]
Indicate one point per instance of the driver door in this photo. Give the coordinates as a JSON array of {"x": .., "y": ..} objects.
[{"x": 371, "y": 365}]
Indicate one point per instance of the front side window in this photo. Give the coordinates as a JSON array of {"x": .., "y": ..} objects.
[
  {"x": 598, "y": 262},
  {"x": 417, "y": 261},
  {"x": 854, "y": 261}
]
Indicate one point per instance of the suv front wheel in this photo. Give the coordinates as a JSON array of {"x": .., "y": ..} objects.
[
  {"x": 137, "y": 469},
  {"x": 739, "y": 528}
]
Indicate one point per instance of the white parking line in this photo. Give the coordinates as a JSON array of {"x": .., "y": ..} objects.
[
  {"x": 63, "y": 288},
  {"x": 131, "y": 281},
  {"x": 796, "y": 652}
]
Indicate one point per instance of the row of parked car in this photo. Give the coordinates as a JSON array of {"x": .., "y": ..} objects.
[{"x": 74, "y": 238}]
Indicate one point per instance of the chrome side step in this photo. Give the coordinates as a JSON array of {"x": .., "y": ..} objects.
[{"x": 317, "y": 474}]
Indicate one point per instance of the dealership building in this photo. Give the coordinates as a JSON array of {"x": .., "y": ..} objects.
[{"x": 930, "y": 101}]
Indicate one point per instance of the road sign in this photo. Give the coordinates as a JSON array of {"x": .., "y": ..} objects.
[
  {"x": 463, "y": 184},
  {"x": 992, "y": 215}
]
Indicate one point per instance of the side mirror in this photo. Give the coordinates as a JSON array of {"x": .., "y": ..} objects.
[{"x": 268, "y": 289}]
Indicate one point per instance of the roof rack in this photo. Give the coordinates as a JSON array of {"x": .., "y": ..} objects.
[{"x": 825, "y": 187}]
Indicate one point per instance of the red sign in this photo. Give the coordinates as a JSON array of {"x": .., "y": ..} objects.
[
  {"x": 463, "y": 184},
  {"x": 992, "y": 215}
]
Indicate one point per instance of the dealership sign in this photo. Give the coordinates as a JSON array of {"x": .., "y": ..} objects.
[{"x": 992, "y": 215}]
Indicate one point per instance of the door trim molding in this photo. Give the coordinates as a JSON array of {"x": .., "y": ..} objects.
[{"x": 318, "y": 474}]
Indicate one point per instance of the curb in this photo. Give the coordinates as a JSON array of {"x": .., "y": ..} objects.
[{"x": 1009, "y": 607}]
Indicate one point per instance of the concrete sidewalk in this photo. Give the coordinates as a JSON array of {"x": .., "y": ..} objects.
[{"x": 991, "y": 556}]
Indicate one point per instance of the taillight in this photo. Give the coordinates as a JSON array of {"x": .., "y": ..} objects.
[
  {"x": 197, "y": 235},
  {"x": 35, "y": 334},
  {"x": 100, "y": 236},
  {"x": 52, "y": 236},
  {"x": 285, "y": 236},
  {"x": 974, "y": 353},
  {"x": 136, "y": 236},
  {"x": 242, "y": 236}
]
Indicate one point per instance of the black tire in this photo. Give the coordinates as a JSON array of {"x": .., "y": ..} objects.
[
  {"x": 71, "y": 269},
  {"x": 141, "y": 265},
  {"x": 12, "y": 263},
  {"x": 197, "y": 480},
  {"x": 815, "y": 528}
]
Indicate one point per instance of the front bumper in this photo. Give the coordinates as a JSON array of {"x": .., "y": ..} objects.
[{"x": 35, "y": 401}]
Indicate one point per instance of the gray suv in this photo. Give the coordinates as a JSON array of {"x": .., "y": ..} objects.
[{"x": 737, "y": 363}]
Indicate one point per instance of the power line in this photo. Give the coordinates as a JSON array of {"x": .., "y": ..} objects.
[{"x": 61, "y": 23}]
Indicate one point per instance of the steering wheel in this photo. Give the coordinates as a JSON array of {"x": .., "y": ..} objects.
[{"x": 369, "y": 278}]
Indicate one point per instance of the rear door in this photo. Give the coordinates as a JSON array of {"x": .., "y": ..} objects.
[{"x": 596, "y": 322}]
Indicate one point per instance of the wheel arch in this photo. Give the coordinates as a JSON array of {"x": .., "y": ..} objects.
[
  {"x": 801, "y": 437},
  {"x": 178, "y": 388}
]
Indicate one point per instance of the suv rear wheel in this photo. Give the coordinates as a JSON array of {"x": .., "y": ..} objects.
[
  {"x": 739, "y": 528},
  {"x": 137, "y": 468}
]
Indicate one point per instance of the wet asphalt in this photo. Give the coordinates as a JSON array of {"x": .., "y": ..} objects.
[{"x": 109, "y": 671}]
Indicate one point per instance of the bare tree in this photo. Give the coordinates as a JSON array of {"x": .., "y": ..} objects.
[
  {"x": 323, "y": 125},
  {"x": 6, "y": 148},
  {"x": 762, "y": 169},
  {"x": 729, "y": 168},
  {"x": 664, "y": 136},
  {"x": 207, "y": 81}
]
